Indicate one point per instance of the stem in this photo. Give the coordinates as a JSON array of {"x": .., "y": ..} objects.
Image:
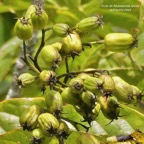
[
  {"x": 133, "y": 61},
  {"x": 94, "y": 42},
  {"x": 39, "y": 50},
  {"x": 76, "y": 73},
  {"x": 26, "y": 60},
  {"x": 67, "y": 69}
]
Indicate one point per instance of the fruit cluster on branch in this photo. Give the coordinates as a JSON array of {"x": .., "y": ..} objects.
[{"x": 89, "y": 91}]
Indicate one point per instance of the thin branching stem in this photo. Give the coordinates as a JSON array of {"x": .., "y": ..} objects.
[
  {"x": 78, "y": 72},
  {"x": 39, "y": 50},
  {"x": 26, "y": 60}
]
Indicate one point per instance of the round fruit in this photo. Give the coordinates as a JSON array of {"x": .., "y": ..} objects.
[
  {"x": 23, "y": 29},
  {"x": 39, "y": 18},
  {"x": 71, "y": 45}
]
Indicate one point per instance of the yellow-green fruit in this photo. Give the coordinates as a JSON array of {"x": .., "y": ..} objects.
[
  {"x": 93, "y": 84},
  {"x": 123, "y": 91},
  {"x": 119, "y": 42},
  {"x": 54, "y": 102},
  {"x": 108, "y": 85},
  {"x": 137, "y": 93},
  {"x": 37, "y": 133},
  {"x": 61, "y": 29},
  {"x": 30, "y": 10},
  {"x": 88, "y": 98},
  {"x": 109, "y": 111},
  {"x": 76, "y": 85},
  {"x": 47, "y": 76},
  {"x": 23, "y": 29},
  {"x": 39, "y": 18},
  {"x": 63, "y": 128},
  {"x": 48, "y": 122},
  {"x": 57, "y": 45},
  {"x": 82, "y": 76},
  {"x": 71, "y": 44},
  {"x": 28, "y": 119},
  {"x": 25, "y": 79},
  {"x": 54, "y": 140},
  {"x": 89, "y": 24},
  {"x": 96, "y": 109},
  {"x": 70, "y": 97},
  {"x": 87, "y": 138},
  {"x": 50, "y": 55}
]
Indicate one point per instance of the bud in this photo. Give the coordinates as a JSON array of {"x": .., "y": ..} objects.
[
  {"x": 70, "y": 97},
  {"x": 89, "y": 24},
  {"x": 88, "y": 98},
  {"x": 93, "y": 84},
  {"x": 123, "y": 91},
  {"x": 108, "y": 85},
  {"x": 25, "y": 79},
  {"x": 39, "y": 18},
  {"x": 53, "y": 102},
  {"x": 48, "y": 122},
  {"x": 119, "y": 42},
  {"x": 76, "y": 85},
  {"x": 61, "y": 29},
  {"x": 71, "y": 45},
  {"x": 87, "y": 138},
  {"x": 48, "y": 77},
  {"x": 28, "y": 119},
  {"x": 23, "y": 28},
  {"x": 51, "y": 56}
]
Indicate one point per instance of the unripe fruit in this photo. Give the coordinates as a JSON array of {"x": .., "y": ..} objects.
[
  {"x": 87, "y": 138},
  {"x": 109, "y": 108},
  {"x": 88, "y": 98},
  {"x": 137, "y": 93},
  {"x": 50, "y": 55},
  {"x": 37, "y": 133},
  {"x": 39, "y": 18},
  {"x": 89, "y": 24},
  {"x": 82, "y": 76},
  {"x": 48, "y": 77},
  {"x": 28, "y": 119},
  {"x": 25, "y": 79},
  {"x": 119, "y": 42},
  {"x": 54, "y": 140},
  {"x": 53, "y": 102},
  {"x": 48, "y": 122},
  {"x": 123, "y": 91},
  {"x": 30, "y": 10},
  {"x": 71, "y": 45},
  {"x": 96, "y": 109},
  {"x": 23, "y": 29},
  {"x": 57, "y": 46},
  {"x": 76, "y": 85},
  {"x": 108, "y": 85},
  {"x": 70, "y": 97},
  {"x": 93, "y": 84},
  {"x": 63, "y": 129},
  {"x": 61, "y": 29}
]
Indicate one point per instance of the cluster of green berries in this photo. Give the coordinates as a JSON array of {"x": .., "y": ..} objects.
[{"x": 89, "y": 92}]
